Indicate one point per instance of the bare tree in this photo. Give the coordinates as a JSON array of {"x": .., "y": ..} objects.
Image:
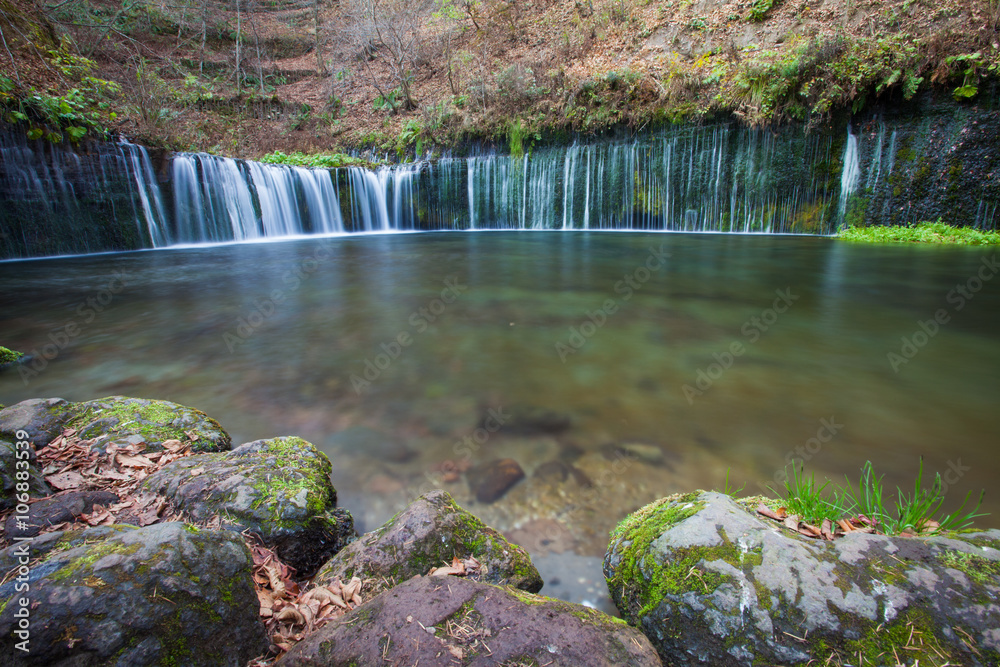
[{"x": 389, "y": 30}]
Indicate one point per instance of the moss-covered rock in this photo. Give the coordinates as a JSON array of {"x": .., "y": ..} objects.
[
  {"x": 711, "y": 583},
  {"x": 456, "y": 621},
  {"x": 118, "y": 419},
  {"x": 119, "y": 595},
  {"x": 125, "y": 420},
  {"x": 8, "y": 356},
  {"x": 10, "y": 465},
  {"x": 279, "y": 489},
  {"x": 430, "y": 532}
]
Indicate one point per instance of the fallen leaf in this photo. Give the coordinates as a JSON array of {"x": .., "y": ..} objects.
[
  {"x": 65, "y": 481},
  {"x": 810, "y": 530},
  {"x": 771, "y": 514},
  {"x": 845, "y": 525},
  {"x": 791, "y": 522},
  {"x": 197, "y": 471},
  {"x": 134, "y": 461},
  {"x": 456, "y": 651},
  {"x": 827, "y": 529}
]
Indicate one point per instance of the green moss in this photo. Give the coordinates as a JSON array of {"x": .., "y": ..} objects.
[
  {"x": 72, "y": 570},
  {"x": 644, "y": 581},
  {"x": 8, "y": 356},
  {"x": 911, "y": 635},
  {"x": 310, "y": 474},
  {"x": 981, "y": 570}
]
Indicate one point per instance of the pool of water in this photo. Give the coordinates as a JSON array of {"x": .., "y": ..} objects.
[{"x": 617, "y": 367}]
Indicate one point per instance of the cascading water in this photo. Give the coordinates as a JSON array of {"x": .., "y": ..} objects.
[{"x": 718, "y": 178}]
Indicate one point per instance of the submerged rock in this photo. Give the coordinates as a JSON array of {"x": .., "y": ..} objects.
[
  {"x": 9, "y": 479},
  {"x": 710, "y": 583},
  {"x": 57, "y": 509},
  {"x": 279, "y": 489},
  {"x": 430, "y": 532},
  {"x": 166, "y": 594},
  {"x": 41, "y": 418},
  {"x": 452, "y": 620},
  {"x": 490, "y": 480}
]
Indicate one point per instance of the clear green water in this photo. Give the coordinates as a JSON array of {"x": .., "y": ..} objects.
[{"x": 168, "y": 330}]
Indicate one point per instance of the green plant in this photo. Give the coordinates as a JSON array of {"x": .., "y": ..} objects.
[
  {"x": 917, "y": 511},
  {"x": 807, "y": 500},
  {"x": 760, "y": 8},
  {"x": 728, "y": 489},
  {"x": 924, "y": 232},
  {"x": 867, "y": 496}
]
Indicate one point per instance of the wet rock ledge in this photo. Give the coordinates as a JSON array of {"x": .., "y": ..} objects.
[{"x": 140, "y": 536}]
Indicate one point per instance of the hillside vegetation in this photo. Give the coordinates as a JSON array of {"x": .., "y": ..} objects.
[{"x": 251, "y": 77}]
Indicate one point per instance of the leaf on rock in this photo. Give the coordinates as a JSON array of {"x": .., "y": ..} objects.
[{"x": 65, "y": 481}]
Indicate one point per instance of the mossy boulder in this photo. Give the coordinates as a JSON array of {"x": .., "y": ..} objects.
[
  {"x": 430, "y": 532},
  {"x": 455, "y": 621},
  {"x": 41, "y": 418},
  {"x": 125, "y": 420},
  {"x": 166, "y": 594},
  {"x": 710, "y": 582},
  {"x": 118, "y": 419},
  {"x": 8, "y": 356},
  {"x": 279, "y": 489},
  {"x": 37, "y": 488}
]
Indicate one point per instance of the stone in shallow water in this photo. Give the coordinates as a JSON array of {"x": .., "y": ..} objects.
[
  {"x": 120, "y": 595},
  {"x": 453, "y": 620},
  {"x": 711, "y": 583},
  {"x": 490, "y": 480},
  {"x": 430, "y": 532}
]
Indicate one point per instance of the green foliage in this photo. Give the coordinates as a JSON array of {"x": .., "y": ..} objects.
[
  {"x": 728, "y": 489},
  {"x": 760, "y": 8},
  {"x": 809, "y": 501},
  {"x": 322, "y": 160},
  {"x": 916, "y": 512},
  {"x": 82, "y": 109},
  {"x": 389, "y": 102},
  {"x": 924, "y": 232},
  {"x": 515, "y": 136},
  {"x": 971, "y": 66}
]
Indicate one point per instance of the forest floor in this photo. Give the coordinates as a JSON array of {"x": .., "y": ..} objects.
[{"x": 314, "y": 78}]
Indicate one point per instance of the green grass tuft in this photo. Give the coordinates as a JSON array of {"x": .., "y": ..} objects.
[{"x": 925, "y": 232}]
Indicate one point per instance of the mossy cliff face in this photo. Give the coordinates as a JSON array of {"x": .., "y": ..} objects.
[
  {"x": 430, "y": 532},
  {"x": 457, "y": 621},
  {"x": 167, "y": 594},
  {"x": 710, "y": 583},
  {"x": 119, "y": 419},
  {"x": 278, "y": 488}
]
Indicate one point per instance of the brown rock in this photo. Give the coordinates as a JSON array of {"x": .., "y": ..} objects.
[
  {"x": 492, "y": 479},
  {"x": 452, "y": 620}
]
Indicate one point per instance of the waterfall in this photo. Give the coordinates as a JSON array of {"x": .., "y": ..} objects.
[
  {"x": 718, "y": 178},
  {"x": 851, "y": 174}
]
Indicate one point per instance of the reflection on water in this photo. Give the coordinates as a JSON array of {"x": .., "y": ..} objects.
[{"x": 613, "y": 367}]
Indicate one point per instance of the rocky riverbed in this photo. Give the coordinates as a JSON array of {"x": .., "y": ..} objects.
[{"x": 135, "y": 533}]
